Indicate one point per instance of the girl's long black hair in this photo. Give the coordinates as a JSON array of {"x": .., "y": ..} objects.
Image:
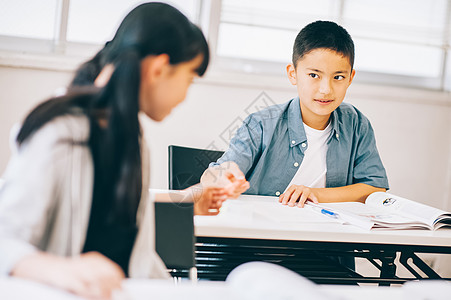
[{"x": 149, "y": 29}]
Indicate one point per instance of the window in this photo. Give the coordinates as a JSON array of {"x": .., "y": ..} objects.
[
  {"x": 25, "y": 22},
  {"x": 402, "y": 42},
  {"x": 71, "y": 27},
  {"x": 266, "y": 30},
  {"x": 30, "y": 19},
  {"x": 408, "y": 39},
  {"x": 96, "y": 21}
]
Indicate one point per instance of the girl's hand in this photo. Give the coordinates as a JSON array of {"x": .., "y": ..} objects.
[
  {"x": 208, "y": 199},
  {"x": 91, "y": 275}
]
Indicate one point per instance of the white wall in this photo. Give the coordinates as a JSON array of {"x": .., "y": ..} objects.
[
  {"x": 20, "y": 90},
  {"x": 413, "y": 133},
  {"x": 413, "y": 127}
]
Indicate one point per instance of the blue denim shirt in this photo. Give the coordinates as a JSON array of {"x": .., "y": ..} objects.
[{"x": 270, "y": 143}]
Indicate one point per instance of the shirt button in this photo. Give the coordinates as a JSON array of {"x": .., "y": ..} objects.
[
  {"x": 296, "y": 164},
  {"x": 277, "y": 193},
  {"x": 293, "y": 142},
  {"x": 303, "y": 145}
]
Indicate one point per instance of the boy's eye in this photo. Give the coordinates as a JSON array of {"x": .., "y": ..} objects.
[
  {"x": 339, "y": 77},
  {"x": 313, "y": 75}
]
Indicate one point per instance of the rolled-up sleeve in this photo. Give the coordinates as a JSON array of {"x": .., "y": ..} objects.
[
  {"x": 245, "y": 146},
  {"x": 368, "y": 167}
]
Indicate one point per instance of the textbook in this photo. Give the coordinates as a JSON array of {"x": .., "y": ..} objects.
[{"x": 385, "y": 211}]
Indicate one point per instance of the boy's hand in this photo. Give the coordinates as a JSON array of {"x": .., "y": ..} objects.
[
  {"x": 227, "y": 175},
  {"x": 91, "y": 275},
  {"x": 298, "y": 194}
]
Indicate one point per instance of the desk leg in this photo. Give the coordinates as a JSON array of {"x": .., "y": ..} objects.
[
  {"x": 428, "y": 271},
  {"x": 388, "y": 268}
]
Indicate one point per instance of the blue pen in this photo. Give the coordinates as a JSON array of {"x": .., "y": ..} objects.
[
  {"x": 329, "y": 213},
  {"x": 324, "y": 211}
]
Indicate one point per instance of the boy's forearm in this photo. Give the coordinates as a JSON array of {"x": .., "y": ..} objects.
[{"x": 351, "y": 193}]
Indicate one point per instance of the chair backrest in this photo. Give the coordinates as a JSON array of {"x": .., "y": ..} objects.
[{"x": 186, "y": 165}]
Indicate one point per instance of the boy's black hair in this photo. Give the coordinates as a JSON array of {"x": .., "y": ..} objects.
[{"x": 323, "y": 34}]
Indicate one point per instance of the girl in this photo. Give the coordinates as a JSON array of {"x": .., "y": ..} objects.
[{"x": 71, "y": 213}]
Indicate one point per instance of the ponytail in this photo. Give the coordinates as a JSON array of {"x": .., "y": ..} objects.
[
  {"x": 115, "y": 148},
  {"x": 149, "y": 29},
  {"x": 88, "y": 72},
  {"x": 117, "y": 157}
]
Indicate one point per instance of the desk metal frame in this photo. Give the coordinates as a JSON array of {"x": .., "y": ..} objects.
[{"x": 316, "y": 260}]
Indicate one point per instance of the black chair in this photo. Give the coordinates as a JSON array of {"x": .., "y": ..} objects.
[
  {"x": 186, "y": 165},
  {"x": 174, "y": 222}
]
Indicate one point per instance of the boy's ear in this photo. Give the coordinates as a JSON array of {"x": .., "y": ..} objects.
[
  {"x": 291, "y": 73},
  {"x": 352, "y": 76}
]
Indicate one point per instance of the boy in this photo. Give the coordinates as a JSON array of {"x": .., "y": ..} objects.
[{"x": 313, "y": 147}]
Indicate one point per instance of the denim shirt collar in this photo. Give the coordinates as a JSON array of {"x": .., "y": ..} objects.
[
  {"x": 296, "y": 131},
  {"x": 334, "y": 122}
]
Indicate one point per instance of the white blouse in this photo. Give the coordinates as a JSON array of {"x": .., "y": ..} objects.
[{"x": 46, "y": 197}]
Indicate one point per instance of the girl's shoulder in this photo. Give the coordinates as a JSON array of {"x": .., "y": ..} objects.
[{"x": 70, "y": 127}]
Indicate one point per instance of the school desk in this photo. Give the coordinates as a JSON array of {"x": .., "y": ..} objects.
[{"x": 253, "y": 228}]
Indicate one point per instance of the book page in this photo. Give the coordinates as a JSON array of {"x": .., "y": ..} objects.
[
  {"x": 261, "y": 208},
  {"x": 341, "y": 215},
  {"x": 284, "y": 213},
  {"x": 359, "y": 212},
  {"x": 389, "y": 203}
]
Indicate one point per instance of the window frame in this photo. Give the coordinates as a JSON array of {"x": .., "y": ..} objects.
[
  {"x": 59, "y": 54},
  {"x": 441, "y": 83}
]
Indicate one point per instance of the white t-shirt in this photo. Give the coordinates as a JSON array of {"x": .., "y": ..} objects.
[{"x": 312, "y": 171}]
